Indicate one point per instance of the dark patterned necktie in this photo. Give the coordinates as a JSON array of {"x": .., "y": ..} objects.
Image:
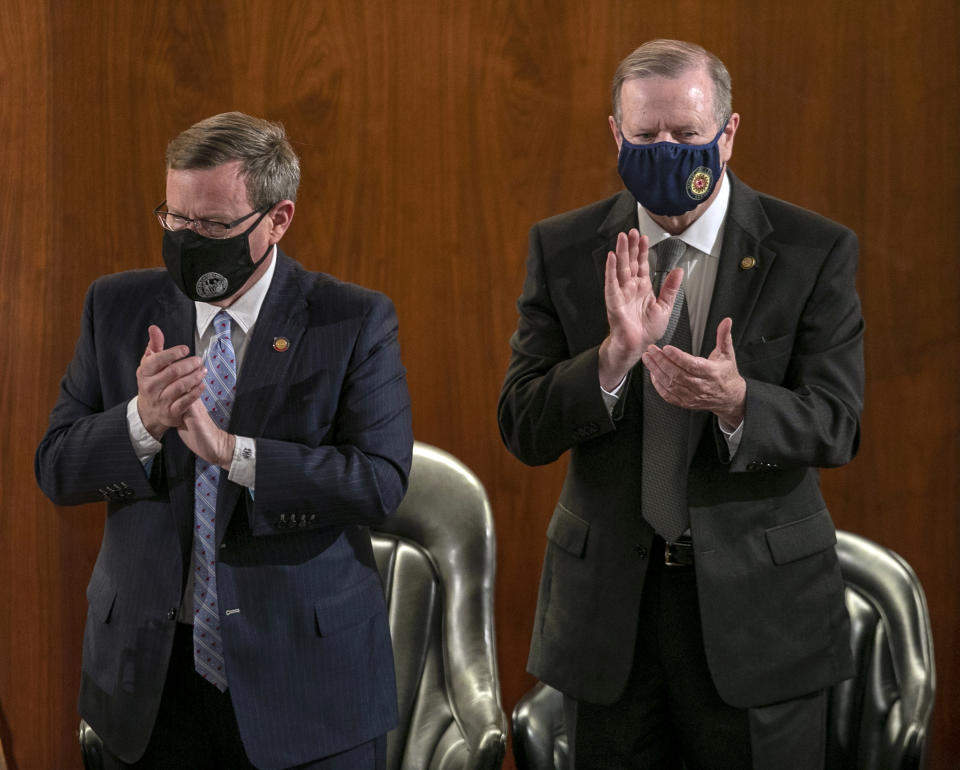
[
  {"x": 664, "y": 480},
  {"x": 219, "y": 390}
]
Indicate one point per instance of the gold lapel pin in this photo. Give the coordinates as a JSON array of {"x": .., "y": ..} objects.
[
  {"x": 748, "y": 263},
  {"x": 281, "y": 344}
]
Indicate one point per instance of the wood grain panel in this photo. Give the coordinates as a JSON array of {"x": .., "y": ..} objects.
[
  {"x": 432, "y": 134},
  {"x": 30, "y": 627}
]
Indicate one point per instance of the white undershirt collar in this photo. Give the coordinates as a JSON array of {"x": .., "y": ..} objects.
[
  {"x": 706, "y": 232},
  {"x": 245, "y": 310}
]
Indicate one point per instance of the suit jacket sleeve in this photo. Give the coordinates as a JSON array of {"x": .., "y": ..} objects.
[
  {"x": 350, "y": 465},
  {"x": 551, "y": 397},
  {"x": 810, "y": 415},
  {"x": 86, "y": 454}
]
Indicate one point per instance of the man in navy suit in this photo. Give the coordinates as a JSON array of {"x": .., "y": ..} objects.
[
  {"x": 691, "y": 605},
  {"x": 251, "y": 632}
]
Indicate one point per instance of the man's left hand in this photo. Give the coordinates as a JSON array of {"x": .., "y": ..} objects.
[
  {"x": 710, "y": 384},
  {"x": 204, "y": 438}
]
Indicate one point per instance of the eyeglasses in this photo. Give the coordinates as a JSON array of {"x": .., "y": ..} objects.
[{"x": 208, "y": 227}]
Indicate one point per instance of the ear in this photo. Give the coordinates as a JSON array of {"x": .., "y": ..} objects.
[
  {"x": 280, "y": 218},
  {"x": 617, "y": 136},
  {"x": 726, "y": 141}
]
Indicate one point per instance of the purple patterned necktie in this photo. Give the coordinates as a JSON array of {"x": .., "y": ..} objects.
[{"x": 218, "y": 394}]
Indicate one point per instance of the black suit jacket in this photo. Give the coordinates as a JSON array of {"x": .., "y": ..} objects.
[
  {"x": 770, "y": 590},
  {"x": 305, "y": 633}
]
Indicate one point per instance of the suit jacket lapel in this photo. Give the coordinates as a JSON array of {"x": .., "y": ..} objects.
[
  {"x": 621, "y": 217},
  {"x": 742, "y": 271},
  {"x": 265, "y": 363},
  {"x": 744, "y": 263},
  {"x": 176, "y": 317}
]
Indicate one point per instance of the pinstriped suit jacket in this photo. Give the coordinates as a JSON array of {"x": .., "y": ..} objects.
[
  {"x": 306, "y": 640},
  {"x": 771, "y": 596}
]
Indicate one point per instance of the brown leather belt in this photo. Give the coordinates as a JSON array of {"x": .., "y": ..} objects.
[{"x": 678, "y": 553}]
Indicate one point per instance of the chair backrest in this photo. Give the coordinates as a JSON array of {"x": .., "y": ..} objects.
[
  {"x": 437, "y": 558},
  {"x": 878, "y": 719}
]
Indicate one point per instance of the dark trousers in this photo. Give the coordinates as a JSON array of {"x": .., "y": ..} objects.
[
  {"x": 196, "y": 727},
  {"x": 670, "y": 714}
]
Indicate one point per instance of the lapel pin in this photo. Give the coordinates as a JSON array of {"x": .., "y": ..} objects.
[
  {"x": 281, "y": 344},
  {"x": 748, "y": 263}
]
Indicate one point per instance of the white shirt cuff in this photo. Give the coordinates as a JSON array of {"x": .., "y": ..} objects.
[
  {"x": 243, "y": 467},
  {"x": 145, "y": 445},
  {"x": 610, "y": 397},
  {"x": 732, "y": 436}
]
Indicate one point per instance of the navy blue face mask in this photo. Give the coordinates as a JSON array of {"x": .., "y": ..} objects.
[{"x": 668, "y": 178}]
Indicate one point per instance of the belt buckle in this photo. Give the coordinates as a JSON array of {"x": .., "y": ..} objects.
[{"x": 678, "y": 554}]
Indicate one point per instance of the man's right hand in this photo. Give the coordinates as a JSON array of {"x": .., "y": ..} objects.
[
  {"x": 637, "y": 317},
  {"x": 168, "y": 382}
]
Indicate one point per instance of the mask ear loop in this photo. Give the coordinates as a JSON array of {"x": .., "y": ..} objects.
[
  {"x": 254, "y": 227},
  {"x": 269, "y": 249},
  {"x": 716, "y": 140},
  {"x": 723, "y": 128},
  {"x": 258, "y": 220}
]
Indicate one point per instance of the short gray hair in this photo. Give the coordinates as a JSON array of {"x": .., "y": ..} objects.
[
  {"x": 270, "y": 167},
  {"x": 671, "y": 59}
]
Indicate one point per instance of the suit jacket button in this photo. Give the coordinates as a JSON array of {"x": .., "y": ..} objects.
[
  {"x": 172, "y": 613},
  {"x": 641, "y": 551}
]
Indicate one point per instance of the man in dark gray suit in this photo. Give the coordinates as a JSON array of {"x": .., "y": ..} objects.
[
  {"x": 691, "y": 605},
  {"x": 245, "y": 420}
]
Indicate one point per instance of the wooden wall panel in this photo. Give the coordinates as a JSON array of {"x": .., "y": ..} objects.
[
  {"x": 31, "y": 626},
  {"x": 432, "y": 134}
]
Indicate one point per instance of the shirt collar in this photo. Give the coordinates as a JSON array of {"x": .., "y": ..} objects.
[
  {"x": 705, "y": 234},
  {"x": 245, "y": 310}
]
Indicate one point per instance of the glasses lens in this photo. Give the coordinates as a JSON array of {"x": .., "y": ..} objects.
[
  {"x": 212, "y": 229},
  {"x": 171, "y": 221}
]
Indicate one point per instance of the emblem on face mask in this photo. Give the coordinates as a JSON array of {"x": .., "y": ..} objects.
[
  {"x": 211, "y": 285},
  {"x": 698, "y": 183}
]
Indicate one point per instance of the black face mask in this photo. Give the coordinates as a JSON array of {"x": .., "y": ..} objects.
[{"x": 210, "y": 269}]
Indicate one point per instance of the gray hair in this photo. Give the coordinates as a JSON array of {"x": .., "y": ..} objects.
[
  {"x": 671, "y": 59},
  {"x": 270, "y": 167}
]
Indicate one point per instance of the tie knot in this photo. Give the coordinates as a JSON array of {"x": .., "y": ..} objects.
[
  {"x": 669, "y": 253},
  {"x": 221, "y": 324}
]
